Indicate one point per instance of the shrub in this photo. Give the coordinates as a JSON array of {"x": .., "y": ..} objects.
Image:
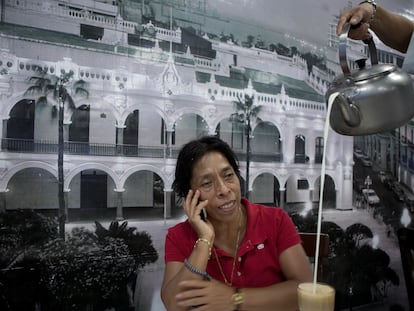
[
  {"x": 22, "y": 232},
  {"x": 83, "y": 270},
  {"x": 88, "y": 270}
]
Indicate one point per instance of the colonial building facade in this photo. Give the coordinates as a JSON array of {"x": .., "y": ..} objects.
[{"x": 153, "y": 86}]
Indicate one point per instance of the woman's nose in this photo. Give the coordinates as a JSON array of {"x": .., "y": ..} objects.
[{"x": 222, "y": 188}]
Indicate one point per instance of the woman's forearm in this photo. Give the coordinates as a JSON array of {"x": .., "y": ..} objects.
[{"x": 282, "y": 296}]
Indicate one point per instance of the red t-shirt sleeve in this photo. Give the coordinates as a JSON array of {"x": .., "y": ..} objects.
[
  {"x": 179, "y": 242},
  {"x": 286, "y": 234}
]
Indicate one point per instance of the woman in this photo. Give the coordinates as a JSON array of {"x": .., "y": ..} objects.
[{"x": 244, "y": 256}]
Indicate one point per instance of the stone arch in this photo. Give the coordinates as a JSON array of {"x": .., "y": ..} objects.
[
  {"x": 91, "y": 166},
  {"x": 297, "y": 186},
  {"x": 265, "y": 188},
  {"x": 8, "y": 105},
  {"x": 266, "y": 138},
  {"x": 32, "y": 188},
  {"x": 152, "y": 107},
  {"x": 143, "y": 186},
  {"x": 329, "y": 193},
  {"x": 21, "y": 166},
  {"x": 181, "y": 136},
  {"x": 145, "y": 167}
]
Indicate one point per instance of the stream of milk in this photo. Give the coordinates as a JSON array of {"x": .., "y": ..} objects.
[{"x": 323, "y": 169}]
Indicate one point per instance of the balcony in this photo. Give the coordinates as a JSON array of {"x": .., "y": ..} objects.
[{"x": 95, "y": 149}]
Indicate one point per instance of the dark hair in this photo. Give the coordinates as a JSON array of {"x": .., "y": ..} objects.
[{"x": 194, "y": 150}]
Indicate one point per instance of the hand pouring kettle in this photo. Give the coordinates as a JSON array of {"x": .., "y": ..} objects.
[{"x": 371, "y": 100}]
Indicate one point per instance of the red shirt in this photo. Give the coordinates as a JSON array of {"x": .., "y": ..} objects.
[{"x": 269, "y": 232}]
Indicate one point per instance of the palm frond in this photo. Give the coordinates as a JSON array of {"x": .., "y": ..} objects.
[
  {"x": 70, "y": 103},
  {"x": 254, "y": 112},
  {"x": 239, "y": 105},
  {"x": 42, "y": 100},
  {"x": 82, "y": 92},
  {"x": 80, "y": 84},
  {"x": 32, "y": 90}
]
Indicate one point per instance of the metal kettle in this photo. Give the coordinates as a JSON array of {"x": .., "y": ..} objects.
[{"x": 370, "y": 100}]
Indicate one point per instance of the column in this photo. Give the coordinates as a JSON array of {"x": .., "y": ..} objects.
[
  {"x": 66, "y": 146},
  {"x": 282, "y": 199},
  {"x": 119, "y": 139},
  {"x": 168, "y": 194},
  {"x": 66, "y": 132},
  {"x": 168, "y": 144},
  {"x": 310, "y": 150},
  {"x": 311, "y": 194},
  {"x": 119, "y": 204}
]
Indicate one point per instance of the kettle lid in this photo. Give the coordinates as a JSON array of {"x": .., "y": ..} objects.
[{"x": 372, "y": 72}]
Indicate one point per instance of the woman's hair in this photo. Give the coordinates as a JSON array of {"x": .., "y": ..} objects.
[{"x": 193, "y": 151}]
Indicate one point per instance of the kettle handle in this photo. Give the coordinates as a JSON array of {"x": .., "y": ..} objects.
[{"x": 343, "y": 39}]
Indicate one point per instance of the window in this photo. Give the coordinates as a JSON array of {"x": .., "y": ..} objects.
[
  {"x": 91, "y": 32},
  {"x": 303, "y": 184},
  {"x": 300, "y": 156},
  {"x": 318, "y": 149}
]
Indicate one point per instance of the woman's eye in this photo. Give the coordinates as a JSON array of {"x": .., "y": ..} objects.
[
  {"x": 206, "y": 184},
  {"x": 229, "y": 175}
]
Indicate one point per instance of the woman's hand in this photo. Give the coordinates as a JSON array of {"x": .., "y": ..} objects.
[
  {"x": 205, "y": 295},
  {"x": 193, "y": 208}
]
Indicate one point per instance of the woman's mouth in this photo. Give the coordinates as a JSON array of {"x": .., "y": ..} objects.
[{"x": 227, "y": 207}]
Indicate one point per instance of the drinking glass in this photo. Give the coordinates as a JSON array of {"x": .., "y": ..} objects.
[{"x": 316, "y": 297}]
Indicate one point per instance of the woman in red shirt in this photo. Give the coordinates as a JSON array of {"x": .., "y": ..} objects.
[{"x": 243, "y": 256}]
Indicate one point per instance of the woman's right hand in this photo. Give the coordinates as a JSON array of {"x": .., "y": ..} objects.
[{"x": 193, "y": 208}]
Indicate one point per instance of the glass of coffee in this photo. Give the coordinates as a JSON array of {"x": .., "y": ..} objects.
[{"x": 316, "y": 297}]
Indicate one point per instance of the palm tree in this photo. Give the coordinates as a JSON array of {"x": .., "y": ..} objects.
[
  {"x": 246, "y": 112},
  {"x": 60, "y": 88}
]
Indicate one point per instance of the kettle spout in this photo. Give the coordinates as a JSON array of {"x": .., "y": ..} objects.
[{"x": 350, "y": 112}]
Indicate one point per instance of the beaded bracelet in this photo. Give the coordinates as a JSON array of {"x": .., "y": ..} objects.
[
  {"x": 205, "y": 241},
  {"x": 193, "y": 269},
  {"x": 374, "y": 5}
]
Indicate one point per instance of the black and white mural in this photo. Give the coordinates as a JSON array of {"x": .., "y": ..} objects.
[{"x": 96, "y": 99}]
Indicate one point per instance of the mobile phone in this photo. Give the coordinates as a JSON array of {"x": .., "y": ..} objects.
[{"x": 203, "y": 214}]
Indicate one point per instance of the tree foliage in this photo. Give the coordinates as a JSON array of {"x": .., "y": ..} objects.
[
  {"x": 139, "y": 243},
  {"x": 87, "y": 268}
]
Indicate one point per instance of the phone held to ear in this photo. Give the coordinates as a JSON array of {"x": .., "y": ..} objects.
[{"x": 203, "y": 214}]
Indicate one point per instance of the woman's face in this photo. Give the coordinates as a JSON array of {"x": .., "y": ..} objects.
[{"x": 218, "y": 183}]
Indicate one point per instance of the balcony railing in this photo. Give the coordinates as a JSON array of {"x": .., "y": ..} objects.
[
  {"x": 43, "y": 146},
  {"x": 95, "y": 149},
  {"x": 260, "y": 157}
]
